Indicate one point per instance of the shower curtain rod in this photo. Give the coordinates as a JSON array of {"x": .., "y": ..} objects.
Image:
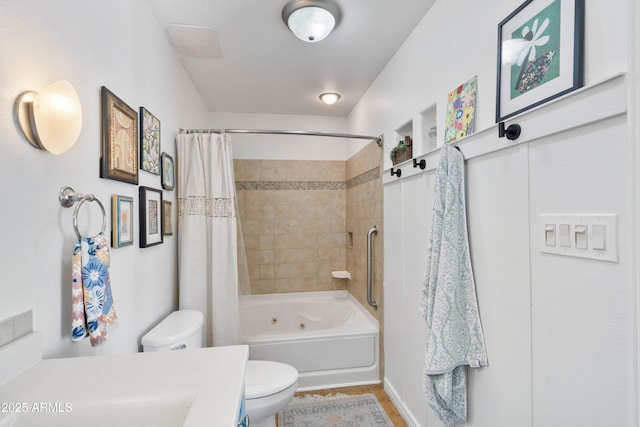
[{"x": 377, "y": 139}]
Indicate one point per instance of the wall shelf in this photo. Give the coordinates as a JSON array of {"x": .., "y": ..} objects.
[
  {"x": 429, "y": 121},
  {"x": 599, "y": 101}
]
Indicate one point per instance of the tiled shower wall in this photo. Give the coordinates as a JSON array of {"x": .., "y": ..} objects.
[
  {"x": 364, "y": 211},
  {"x": 293, "y": 218},
  {"x": 296, "y": 217}
]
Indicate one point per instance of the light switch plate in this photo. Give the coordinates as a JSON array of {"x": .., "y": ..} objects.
[{"x": 604, "y": 247}]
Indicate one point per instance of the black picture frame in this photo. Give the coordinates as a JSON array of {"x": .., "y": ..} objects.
[
  {"x": 149, "y": 142},
  {"x": 168, "y": 172},
  {"x": 150, "y": 217},
  {"x": 545, "y": 60}
]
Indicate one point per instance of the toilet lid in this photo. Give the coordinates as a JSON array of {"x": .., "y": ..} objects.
[{"x": 264, "y": 378}]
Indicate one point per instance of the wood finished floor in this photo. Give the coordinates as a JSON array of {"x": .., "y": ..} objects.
[{"x": 377, "y": 390}]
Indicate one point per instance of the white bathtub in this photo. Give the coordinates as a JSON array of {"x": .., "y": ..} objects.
[{"x": 327, "y": 336}]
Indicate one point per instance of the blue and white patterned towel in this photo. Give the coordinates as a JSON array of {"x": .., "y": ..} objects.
[
  {"x": 449, "y": 303},
  {"x": 92, "y": 312}
]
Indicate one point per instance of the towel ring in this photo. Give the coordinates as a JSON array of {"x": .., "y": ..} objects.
[
  {"x": 90, "y": 198},
  {"x": 67, "y": 197}
]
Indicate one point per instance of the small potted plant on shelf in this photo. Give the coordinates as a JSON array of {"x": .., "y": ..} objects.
[{"x": 403, "y": 151}]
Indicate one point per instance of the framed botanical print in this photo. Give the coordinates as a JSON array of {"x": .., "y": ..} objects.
[
  {"x": 119, "y": 138},
  {"x": 540, "y": 54},
  {"x": 122, "y": 221},
  {"x": 149, "y": 142},
  {"x": 168, "y": 172},
  {"x": 150, "y": 217}
]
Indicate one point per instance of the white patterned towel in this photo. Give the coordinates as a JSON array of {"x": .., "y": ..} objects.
[{"x": 449, "y": 303}]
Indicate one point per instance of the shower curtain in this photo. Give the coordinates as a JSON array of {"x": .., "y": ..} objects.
[{"x": 208, "y": 234}]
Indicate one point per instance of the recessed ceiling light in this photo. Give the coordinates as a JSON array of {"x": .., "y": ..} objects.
[
  {"x": 329, "y": 98},
  {"x": 311, "y": 20}
]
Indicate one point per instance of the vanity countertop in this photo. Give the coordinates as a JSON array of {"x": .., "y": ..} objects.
[{"x": 172, "y": 388}]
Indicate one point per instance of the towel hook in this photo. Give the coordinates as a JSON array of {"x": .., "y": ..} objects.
[
  {"x": 396, "y": 172},
  {"x": 422, "y": 163},
  {"x": 512, "y": 132},
  {"x": 67, "y": 197}
]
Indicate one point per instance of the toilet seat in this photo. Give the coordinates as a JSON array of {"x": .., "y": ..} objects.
[{"x": 264, "y": 378}]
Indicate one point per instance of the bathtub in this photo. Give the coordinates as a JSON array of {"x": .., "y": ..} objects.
[{"x": 327, "y": 336}]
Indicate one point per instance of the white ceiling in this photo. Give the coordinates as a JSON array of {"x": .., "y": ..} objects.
[{"x": 267, "y": 70}]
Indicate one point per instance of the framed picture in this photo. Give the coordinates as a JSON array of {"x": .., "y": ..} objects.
[
  {"x": 122, "y": 221},
  {"x": 150, "y": 217},
  {"x": 149, "y": 142},
  {"x": 540, "y": 54},
  {"x": 167, "y": 222},
  {"x": 119, "y": 149},
  {"x": 460, "y": 116},
  {"x": 168, "y": 177}
]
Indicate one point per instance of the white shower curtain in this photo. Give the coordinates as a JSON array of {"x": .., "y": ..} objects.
[{"x": 207, "y": 234}]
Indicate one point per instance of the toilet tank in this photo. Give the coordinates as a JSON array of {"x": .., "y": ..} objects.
[{"x": 180, "y": 330}]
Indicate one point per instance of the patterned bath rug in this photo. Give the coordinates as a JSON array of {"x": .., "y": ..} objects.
[{"x": 340, "y": 410}]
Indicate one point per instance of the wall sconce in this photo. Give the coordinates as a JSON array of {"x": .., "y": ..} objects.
[{"x": 51, "y": 119}]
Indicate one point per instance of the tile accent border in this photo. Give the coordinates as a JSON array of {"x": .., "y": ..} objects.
[
  {"x": 363, "y": 178},
  {"x": 291, "y": 185}
]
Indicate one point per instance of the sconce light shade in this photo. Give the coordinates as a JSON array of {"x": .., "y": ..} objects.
[
  {"x": 311, "y": 20},
  {"x": 52, "y": 119},
  {"x": 329, "y": 98}
]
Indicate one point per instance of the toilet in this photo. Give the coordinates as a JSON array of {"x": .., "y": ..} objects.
[{"x": 268, "y": 386}]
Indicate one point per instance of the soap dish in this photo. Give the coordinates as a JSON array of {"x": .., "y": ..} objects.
[{"x": 341, "y": 274}]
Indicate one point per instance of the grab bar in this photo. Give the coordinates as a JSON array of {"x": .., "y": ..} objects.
[{"x": 370, "y": 300}]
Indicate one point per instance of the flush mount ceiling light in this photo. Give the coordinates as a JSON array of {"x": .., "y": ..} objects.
[
  {"x": 329, "y": 98},
  {"x": 51, "y": 119},
  {"x": 311, "y": 20}
]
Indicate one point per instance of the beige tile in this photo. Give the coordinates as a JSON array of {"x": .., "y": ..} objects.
[
  {"x": 282, "y": 285},
  {"x": 267, "y": 286},
  {"x": 267, "y": 272},
  {"x": 252, "y": 241},
  {"x": 266, "y": 241},
  {"x": 267, "y": 256}
]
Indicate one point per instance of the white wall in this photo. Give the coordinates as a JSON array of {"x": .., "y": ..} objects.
[
  {"x": 559, "y": 330},
  {"x": 117, "y": 44}
]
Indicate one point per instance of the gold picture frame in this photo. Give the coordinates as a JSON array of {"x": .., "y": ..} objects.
[
  {"x": 167, "y": 218},
  {"x": 119, "y": 148}
]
